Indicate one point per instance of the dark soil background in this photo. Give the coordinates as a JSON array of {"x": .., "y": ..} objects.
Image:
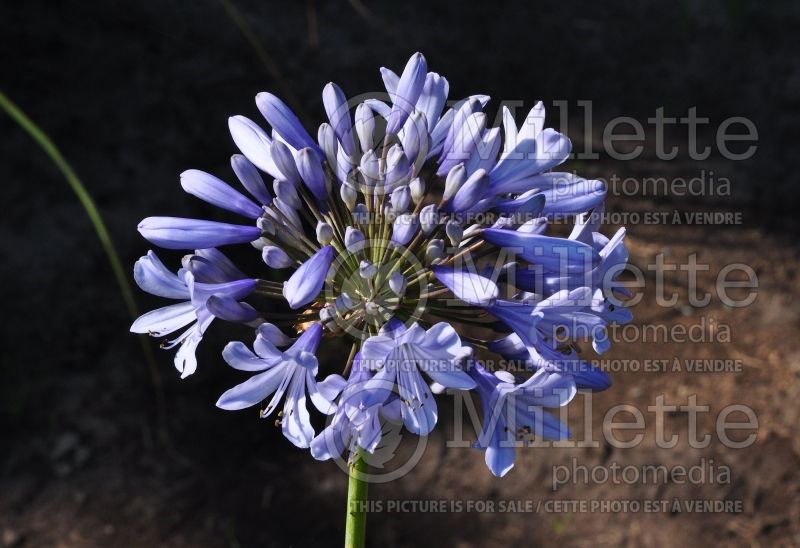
[{"x": 134, "y": 93}]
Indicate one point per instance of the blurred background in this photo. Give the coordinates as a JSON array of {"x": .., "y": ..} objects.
[{"x": 134, "y": 93}]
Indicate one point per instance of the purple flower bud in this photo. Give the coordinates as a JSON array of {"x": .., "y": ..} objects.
[
  {"x": 275, "y": 257},
  {"x": 324, "y": 233},
  {"x": 367, "y": 270},
  {"x": 404, "y": 228},
  {"x": 285, "y": 123},
  {"x": 254, "y": 143},
  {"x": 408, "y": 91},
  {"x": 307, "y": 281},
  {"x": 473, "y": 190},
  {"x": 250, "y": 178},
  {"x": 401, "y": 198},
  {"x": 328, "y": 143},
  {"x": 180, "y": 233},
  {"x": 353, "y": 239},
  {"x": 312, "y": 173},
  {"x": 339, "y": 114},
  {"x": 398, "y": 283}
]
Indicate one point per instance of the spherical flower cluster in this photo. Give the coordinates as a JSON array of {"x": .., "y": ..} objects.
[{"x": 419, "y": 235}]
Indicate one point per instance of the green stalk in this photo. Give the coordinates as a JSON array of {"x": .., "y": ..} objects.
[
  {"x": 100, "y": 228},
  {"x": 356, "y": 523},
  {"x": 77, "y": 187}
]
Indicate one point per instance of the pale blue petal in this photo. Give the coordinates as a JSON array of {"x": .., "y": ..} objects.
[
  {"x": 253, "y": 390},
  {"x": 165, "y": 320},
  {"x": 269, "y": 332},
  {"x": 500, "y": 456},
  {"x": 152, "y": 276},
  {"x": 554, "y": 254},
  {"x": 418, "y": 405},
  {"x": 229, "y": 309},
  {"x": 338, "y": 112},
  {"x": 238, "y": 356},
  {"x": 467, "y": 286},
  {"x": 296, "y": 422}
]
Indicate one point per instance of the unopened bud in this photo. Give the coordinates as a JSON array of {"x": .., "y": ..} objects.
[
  {"x": 324, "y": 233},
  {"x": 455, "y": 178},
  {"x": 434, "y": 251},
  {"x": 367, "y": 270},
  {"x": 353, "y": 239},
  {"x": 417, "y": 188},
  {"x": 398, "y": 283},
  {"x": 454, "y": 232},
  {"x": 349, "y": 195}
]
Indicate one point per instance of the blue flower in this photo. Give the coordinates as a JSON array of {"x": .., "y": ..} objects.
[
  {"x": 291, "y": 373},
  {"x": 208, "y": 285},
  {"x": 513, "y": 412},
  {"x": 566, "y": 314},
  {"x": 564, "y": 360},
  {"x": 354, "y": 425},
  {"x": 400, "y": 354}
]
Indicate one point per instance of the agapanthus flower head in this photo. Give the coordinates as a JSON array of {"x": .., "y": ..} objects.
[{"x": 415, "y": 234}]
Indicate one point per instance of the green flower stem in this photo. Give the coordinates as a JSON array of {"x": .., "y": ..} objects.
[{"x": 356, "y": 523}]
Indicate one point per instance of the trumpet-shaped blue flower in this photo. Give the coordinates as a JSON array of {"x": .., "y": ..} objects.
[
  {"x": 513, "y": 412},
  {"x": 208, "y": 285},
  {"x": 291, "y": 373}
]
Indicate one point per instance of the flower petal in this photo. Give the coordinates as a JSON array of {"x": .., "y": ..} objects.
[
  {"x": 250, "y": 178},
  {"x": 296, "y": 422},
  {"x": 339, "y": 115},
  {"x": 404, "y": 228},
  {"x": 238, "y": 356},
  {"x": 152, "y": 276},
  {"x": 418, "y": 405},
  {"x": 275, "y": 257},
  {"x": 500, "y": 456},
  {"x": 310, "y": 169},
  {"x": 553, "y": 254},
  {"x": 253, "y": 390},
  {"x": 229, "y": 309},
  {"x": 165, "y": 320},
  {"x": 467, "y": 286}
]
